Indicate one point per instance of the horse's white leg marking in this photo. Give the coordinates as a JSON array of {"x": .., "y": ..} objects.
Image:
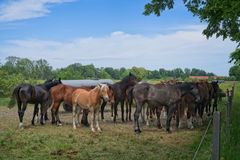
[
  {"x": 20, "y": 125},
  {"x": 78, "y": 115},
  {"x": 180, "y": 123},
  {"x": 92, "y": 120},
  {"x": 97, "y": 121},
  {"x": 189, "y": 123},
  {"x": 74, "y": 114}
]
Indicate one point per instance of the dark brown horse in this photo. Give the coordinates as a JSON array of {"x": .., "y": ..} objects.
[
  {"x": 119, "y": 92},
  {"x": 168, "y": 96},
  {"x": 27, "y": 93}
]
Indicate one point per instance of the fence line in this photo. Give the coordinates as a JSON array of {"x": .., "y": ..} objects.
[
  {"x": 203, "y": 137},
  {"x": 217, "y": 127}
]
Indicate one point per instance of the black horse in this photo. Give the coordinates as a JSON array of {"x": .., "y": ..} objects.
[
  {"x": 168, "y": 95},
  {"x": 36, "y": 106},
  {"x": 27, "y": 93},
  {"x": 119, "y": 92}
]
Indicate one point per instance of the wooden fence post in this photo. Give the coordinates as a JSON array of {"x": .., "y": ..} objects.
[
  {"x": 227, "y": 112},
  {"x": 216, "y": 136}
]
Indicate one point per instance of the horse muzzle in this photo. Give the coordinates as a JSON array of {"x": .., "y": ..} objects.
[
  {"x": 105, "y": 98},
  {"x": 197, "y": 99}
]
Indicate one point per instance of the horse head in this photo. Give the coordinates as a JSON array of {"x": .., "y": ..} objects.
[
  {"x": 52, "y": 83},
  {"x": 104, "y": 89},
  {"x": 195, "y": 92},
  {"x": 132, "y": 79}
]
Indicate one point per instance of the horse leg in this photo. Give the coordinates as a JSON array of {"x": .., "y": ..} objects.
[
  {"x": 115, "y": 111},
  {"x": 112, "y": 109},
  {"x": 19, "y": 111},
  {"x": 102, "y": 109},
  {"x": 169, "y": 117},
  {"x": 158, "y": 113},
  {"x": 127, "y": 110},
  {"x": 214, "y": 105},
  {"x": 147, "y": 113},
  {"x": 84, "y": 119},
  {"x": 97, "y": 120},
  {"x": 74, "y": 116},
  {"x": 178, "y": 112},
  {"x": 22, "y": 114},
  {"x": 54, "y": 110},
  {"x": 57, "y": 117},
  {"x": 42, "y": 114},
  {"x": 130, "y": 110},
  {"x": 46, "y": 117},
  {"x": 92, "y": 119},
  {"x": 122, "y": 110},
  {"x": 35, "y": 112},
  {"x": 78, "y": 111},
  {"x": 136, "y": 117}
]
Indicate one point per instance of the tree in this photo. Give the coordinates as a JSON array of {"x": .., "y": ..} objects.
[
  {"x": 222, "y": 16},
  {"x": 235, "y": 57},
  {"x": 140, "y": 72},
  {"x": 235, "y": 72}
]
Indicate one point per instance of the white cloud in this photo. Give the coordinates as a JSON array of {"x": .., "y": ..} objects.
[
  {"x": 187, "y": 48},
  {"x": 25, "y": 9}
]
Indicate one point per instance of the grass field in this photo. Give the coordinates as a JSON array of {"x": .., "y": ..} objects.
[{"x": 117, "y": 141}]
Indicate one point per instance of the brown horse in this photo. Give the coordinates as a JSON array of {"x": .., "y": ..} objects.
[
  {"x": 90, "y": 100},
  {"x": 63, "y": 93}
]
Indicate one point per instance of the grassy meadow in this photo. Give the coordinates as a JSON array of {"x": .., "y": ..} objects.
[{"x": 117, "y": 141}]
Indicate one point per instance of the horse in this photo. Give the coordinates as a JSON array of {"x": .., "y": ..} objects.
[
  {"x": 204, "y": 99},
  {"x": 119, "y": 93},
  {"x": 36, "y": 108},
  {"x": 168, "y": 96},
  {"x": 215, "y": 95},
  {"x": 90, "y": 100},
  {"x": 27, "y": 93},
  {"x": 63, "y": 93}
]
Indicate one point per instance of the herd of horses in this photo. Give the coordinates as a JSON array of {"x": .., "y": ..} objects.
[{"x": 176, "y": 98}]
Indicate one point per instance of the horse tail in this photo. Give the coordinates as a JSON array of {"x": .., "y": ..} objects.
[{"x": 14, "y": 96}]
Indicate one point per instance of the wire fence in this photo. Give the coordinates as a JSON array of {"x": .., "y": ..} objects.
[{"x": 215, "y": 120}]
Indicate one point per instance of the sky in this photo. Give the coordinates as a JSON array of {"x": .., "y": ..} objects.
[{"x": 109, "y": 33}]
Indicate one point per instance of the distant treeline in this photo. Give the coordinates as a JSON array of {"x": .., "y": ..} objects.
[
  {"x": 40, "y": 69},
  {"x": 17, "y": 70}
]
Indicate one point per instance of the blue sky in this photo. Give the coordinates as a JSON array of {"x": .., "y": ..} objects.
[{"x": 108, "y": 33}]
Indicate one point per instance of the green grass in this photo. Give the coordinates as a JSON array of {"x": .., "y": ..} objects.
[
  {"x": 4, "y": 101},
  {"x": 117, "y": 141},
  {"x": 230, "y": 148}
]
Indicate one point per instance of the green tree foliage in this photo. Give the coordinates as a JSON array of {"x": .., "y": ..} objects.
[
  {"x": 222, "y": 16},
  {"x": 235, "y": 57},
  {"x": 235, "y": 72},
  {"x": 8, "y": 82},
  {"x": 140, "y": 72}
]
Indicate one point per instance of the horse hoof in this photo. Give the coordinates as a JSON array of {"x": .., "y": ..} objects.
[
  {"x": 93, "y": 130},
  {"x": 99, "y": 130},
  {"x": 137, "y": 131},
  {"x": 159, "y": 127},
  {"x": 168, "y": 130},
  {"x": 74, "y": 127}
]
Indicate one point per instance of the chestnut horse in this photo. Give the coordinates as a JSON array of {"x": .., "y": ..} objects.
[
  {"x": 90, "y": 100},
  {"x": 63, "y": 93}
]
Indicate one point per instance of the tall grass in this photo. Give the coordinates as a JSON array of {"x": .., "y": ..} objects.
[{"x": 230, "y": 147}]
